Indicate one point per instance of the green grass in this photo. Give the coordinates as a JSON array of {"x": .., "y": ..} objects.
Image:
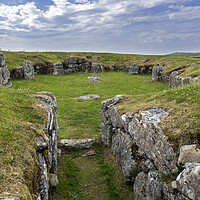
[
  {"x": 82, "y": 119},
  {"x": 18, "y": 161}
]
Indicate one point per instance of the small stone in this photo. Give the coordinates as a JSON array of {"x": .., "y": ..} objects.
[
  {"x": 145, "y": 60},
  {"x": 53, "y": 180},
  {"x": 89, "y": 97},
  {"x": 189, "y": 153},
  {"x": 89, "y": 153},
  {"x": 59, "y": 151},
  {"x": 94, "y": 79}
]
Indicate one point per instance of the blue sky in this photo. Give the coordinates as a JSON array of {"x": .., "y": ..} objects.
[{"x": 125, "y": 26}]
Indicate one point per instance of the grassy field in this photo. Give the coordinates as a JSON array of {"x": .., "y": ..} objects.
[
  {"x": 171, "y": 62},
  {"x": 81, "y": 119}
]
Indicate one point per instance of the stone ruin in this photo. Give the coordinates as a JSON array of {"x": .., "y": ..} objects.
[
  {"x": 25, "y": 72},
  {"x": 144, "y": 154},
  {"x": 4, "y": 72},
  {"x": 175, "y": 80},
  {"x": 94, "y": 79}
]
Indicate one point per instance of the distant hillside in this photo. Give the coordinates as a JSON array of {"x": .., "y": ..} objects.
[{"x": 184, "y": 54}]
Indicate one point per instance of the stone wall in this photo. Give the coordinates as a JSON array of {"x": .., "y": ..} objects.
[
  {"x": 175, "y": 80},
  {"x": 157, "y": 73},
  {"x": 144, "y": 154},
  {"x": 46, "y": 150},
  {"x": 25, "y": 72},
  {"x": 4, "y": 72}
]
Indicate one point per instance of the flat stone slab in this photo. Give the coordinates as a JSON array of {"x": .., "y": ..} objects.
[
  {"x": 89, "y": 97},
  {"x": 94, "y": 79},
  {"x": 77, "y": 144}
]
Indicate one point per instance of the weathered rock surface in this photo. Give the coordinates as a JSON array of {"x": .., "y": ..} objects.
[
  {"x": 89, "y": 97},
  {"x": 28, "y": 70},
  {"x": 89, "y": 153},
  {"x": 157, "y": 73},
  {"x": 189, "y": 153},
  {"x": 48, "y": 164},
  {"x": 58, "y": 69},
  {"x": 187, "y": 182},
  {"x": 144, "y": 154},
  {"x": 133, "y": 69},
  {"x": 94, "y": 79},
  {"x": 4, "y": 72},
  {"x": 77, "y": 144},
  {"x": 25, "y": 72},
  {"x": 176, "y": 81},
  {"x": 97, "y": 68}
]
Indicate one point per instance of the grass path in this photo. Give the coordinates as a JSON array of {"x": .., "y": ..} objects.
[{"x": 97, "y": 177}]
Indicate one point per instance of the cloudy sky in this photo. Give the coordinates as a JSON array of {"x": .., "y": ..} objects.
[{"x": 127, "y": 26}]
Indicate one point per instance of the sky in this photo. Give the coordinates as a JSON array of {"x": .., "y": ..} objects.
[{"x": 119, "y": 26}]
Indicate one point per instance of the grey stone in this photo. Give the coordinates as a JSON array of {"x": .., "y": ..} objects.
[
  {"x": 96, "y": 68},
  {"x": 122, "y": 149},
  {"x": 53, "y": 180},
  {"x": 189, "y": 153},
  {"x": 157, "y": 73},
  {"x": 2, "y": 60},
  {"x": 94, "y": 79},
  {"x": 187, "y": 182},
  {"x": 175, "y": 80},
  {"x": 28, "y": 70},
  {"x": 73, "y": 60},
  {"x": 52, "y": 137},
  {"x": 148, "y": 186},
  {"x": 59, "y": 152},
  {"x": 89, "y": 153},
  {"x": 89, "y": 97},
  {"x": 106, "y": 134},
  {"x": 58, "y": 69},
  {"x": 77, "y": 144},
  {"x": 5, "y": 76},
  {"x": 133, "y": 69},
  {"x": 145, "y": 60},
  {"x": 153, "y": 144}
]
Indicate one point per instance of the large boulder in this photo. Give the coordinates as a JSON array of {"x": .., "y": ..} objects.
[
  {"x": 157, "y": 73},
  {"x": 4, "y": 72},
  {"x": 175, "y": 80},
  {"x": 58, "y": 69},
  {"x": 28, "y": 70},
  {"x": 133, "y": 69},
  {"x": 96, "y": 68}
]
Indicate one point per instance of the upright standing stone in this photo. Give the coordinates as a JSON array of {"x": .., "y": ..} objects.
[
  {"x": 133, "y": 69},
  {"x": 4, "y": 72},
  {"x": 28, "y": 70}
]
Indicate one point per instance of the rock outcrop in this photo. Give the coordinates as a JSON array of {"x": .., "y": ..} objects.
[
  {"x": 25, "y": 72},
  {"x": 4, "y": 72},
  {"x": 175, "y": 80},
  {"x": 144, "y": 154},
  {"x": 157, "y": 73},
  {"x": 48, "y": 164},
  {"x": 133, "y": 69}
]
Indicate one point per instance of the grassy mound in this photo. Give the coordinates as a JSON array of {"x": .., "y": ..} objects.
[
  {"x": 171, "y": 62},
  {"x": 182, "y": 126},
  {"x": 18, "y": 163}
]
